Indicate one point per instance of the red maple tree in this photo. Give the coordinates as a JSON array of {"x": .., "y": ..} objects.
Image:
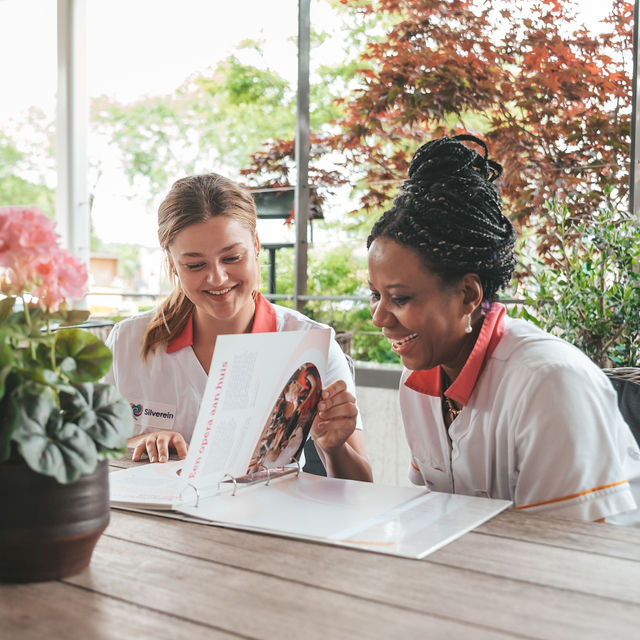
[{"x": 552, "y": 100}]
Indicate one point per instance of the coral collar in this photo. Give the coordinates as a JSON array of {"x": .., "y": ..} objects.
[
  {"x": 264, "y": 321},
  {"x": 429, "y": 381}
]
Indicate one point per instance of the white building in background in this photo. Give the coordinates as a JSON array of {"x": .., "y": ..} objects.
[{"x": 111, "y": 295}]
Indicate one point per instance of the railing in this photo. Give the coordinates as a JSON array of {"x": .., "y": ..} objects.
[{"x": 367, "y": 374}]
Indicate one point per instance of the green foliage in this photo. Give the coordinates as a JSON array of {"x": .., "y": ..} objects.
[
  {"x": 338, "y": 271},
  {"x": 212, "y": 122},
  {"x": 589, "y": 274},
  {"x": 15, "y": 190},
  {"x": 47, "y": 442},
  {"x": 53, "y": 413}
]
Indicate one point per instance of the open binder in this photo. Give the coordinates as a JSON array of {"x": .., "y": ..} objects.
[{"x": 257, "y": 409}]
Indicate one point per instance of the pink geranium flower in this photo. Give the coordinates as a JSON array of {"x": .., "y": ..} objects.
[
  {"x": 61, "y": 276},
  {"x": 25, "y": 232},
  {"x": 32, "y": 262}
]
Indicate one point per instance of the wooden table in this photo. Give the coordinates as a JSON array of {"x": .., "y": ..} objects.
[{"x": 517, "y": 576}]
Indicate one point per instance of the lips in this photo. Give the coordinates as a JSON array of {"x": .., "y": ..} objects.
[
  {"x": 398, "y": 344},
  {"x": 219, "y": 292}
]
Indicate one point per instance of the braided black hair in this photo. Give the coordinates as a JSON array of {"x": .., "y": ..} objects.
[{"x": 450, "y": 211}]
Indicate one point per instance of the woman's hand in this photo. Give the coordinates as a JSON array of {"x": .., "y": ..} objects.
[
  {"x": 338, "y": 443},
  {"x": 336, "y": 420},
  {"x": 157, "y": 444}
]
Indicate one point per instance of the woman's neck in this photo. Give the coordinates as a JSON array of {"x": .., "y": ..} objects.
[
  {"x": 207, "y": 329},
  {"x": 452, "y": 369}
]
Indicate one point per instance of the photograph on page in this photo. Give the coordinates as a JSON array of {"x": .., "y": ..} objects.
[{"x": 289, "y": 422}]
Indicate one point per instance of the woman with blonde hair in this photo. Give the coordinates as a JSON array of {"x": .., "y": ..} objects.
[{"x": 161, "y": 358}]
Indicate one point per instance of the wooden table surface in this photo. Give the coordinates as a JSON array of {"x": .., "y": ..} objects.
[{"x": 517, "y": 576}]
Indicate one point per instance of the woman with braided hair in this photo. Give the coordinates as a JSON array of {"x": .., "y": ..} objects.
[{"x": 492, "y": 406}]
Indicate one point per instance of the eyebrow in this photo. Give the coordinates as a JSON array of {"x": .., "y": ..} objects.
[
  {"x": 391, "y": 286},
  {"x": 196, "y": 254}
]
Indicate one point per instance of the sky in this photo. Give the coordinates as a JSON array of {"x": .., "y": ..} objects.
[
  {"x": 139, "y": 47},
  {"x": 135, "y": 47}
]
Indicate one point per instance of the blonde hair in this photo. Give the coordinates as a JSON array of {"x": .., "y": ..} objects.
[{"x": 192, "y": 200}]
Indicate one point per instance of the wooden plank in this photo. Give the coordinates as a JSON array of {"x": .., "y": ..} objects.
[
  {"x": 470, "y": 596},
  {"x": 577, "y": 571},
  {"x": 56, "y": 610},
  {"x": 605, "y": 539},
  {"x": 215, "y": 594}
]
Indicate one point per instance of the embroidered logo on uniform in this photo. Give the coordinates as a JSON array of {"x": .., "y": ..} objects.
[
  {"x": 137, "y": 410},
  {"x": 154, "y": 414}
]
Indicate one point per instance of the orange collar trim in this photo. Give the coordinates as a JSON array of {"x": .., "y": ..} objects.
[
  {"x": 184, "y": 338},
  {"x": 264, "y": 321},
  {"x": 429, "y": 381}
]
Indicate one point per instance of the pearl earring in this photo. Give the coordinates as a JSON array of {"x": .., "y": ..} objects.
[{"x": 468, "y": 328}]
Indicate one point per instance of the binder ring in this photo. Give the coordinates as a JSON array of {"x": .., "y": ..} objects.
[
  {"x": 299, "y": 468},
  {"x": 235, "y": 483},
  {"x": 266, "y": 484},
  {"x": 195, "y": 489}
]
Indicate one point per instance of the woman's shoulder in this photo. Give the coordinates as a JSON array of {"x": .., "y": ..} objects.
[
  {"x": 292, "y": 320},
  {"x": 132, "y": 328},
  {"x": 532, "y": 352},
  {"x": 528, "y": 341}
]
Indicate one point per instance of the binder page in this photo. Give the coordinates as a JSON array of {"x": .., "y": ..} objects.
[
  {"x": 148, "y": 486},
  {"x": 422, "y": 526},
  {"x": 403, "y": 521},
  {"x": 258, "y": 405}
]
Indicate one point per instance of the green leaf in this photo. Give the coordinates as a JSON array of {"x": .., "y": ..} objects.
[
  {"x": 112, "y": 454},
  {"x": 101, "y": 411},
  {"x": 6, "y": 305},
  {"x": 6, "y": 363},
  {"x": 75, "y": 316},
  {"x": 68, "y": 366},
  {"x": 91, "y": 356},
  {"x": 48, "y": 444},
  {"x": 8, "y": 418}
]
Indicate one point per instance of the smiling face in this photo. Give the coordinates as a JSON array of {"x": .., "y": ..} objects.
[
  {"x": 216, "y": 263},
  {"x": 424, "y": 320}
]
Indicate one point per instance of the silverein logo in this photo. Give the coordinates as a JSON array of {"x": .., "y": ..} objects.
[{"x": 137, "y": 409}]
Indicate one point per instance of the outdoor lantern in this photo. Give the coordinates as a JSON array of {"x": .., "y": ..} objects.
[
  {"x": 278, "y": 202},
  {"x": 273, "y": 203}
]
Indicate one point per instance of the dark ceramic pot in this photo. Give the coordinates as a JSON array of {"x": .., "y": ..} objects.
[{"x": 48, "y": 530}]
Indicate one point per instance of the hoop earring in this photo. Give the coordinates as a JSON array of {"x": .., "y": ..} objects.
[{"x": 468, "y": 328}]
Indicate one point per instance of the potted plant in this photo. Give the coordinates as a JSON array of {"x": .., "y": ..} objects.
[{"x": 58, "y": 423}]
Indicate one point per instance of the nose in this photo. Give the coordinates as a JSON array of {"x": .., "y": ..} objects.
[
  {"x": 217, "y": 274},
  {"x": 380, "y": 316}
]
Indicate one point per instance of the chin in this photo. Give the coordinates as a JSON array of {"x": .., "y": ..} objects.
[{"x": 416, "y": 364}]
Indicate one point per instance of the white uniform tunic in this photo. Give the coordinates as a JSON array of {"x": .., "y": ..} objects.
[
  {"x": 165, "y": 391},
  {"x": 540, "y": 427}
]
